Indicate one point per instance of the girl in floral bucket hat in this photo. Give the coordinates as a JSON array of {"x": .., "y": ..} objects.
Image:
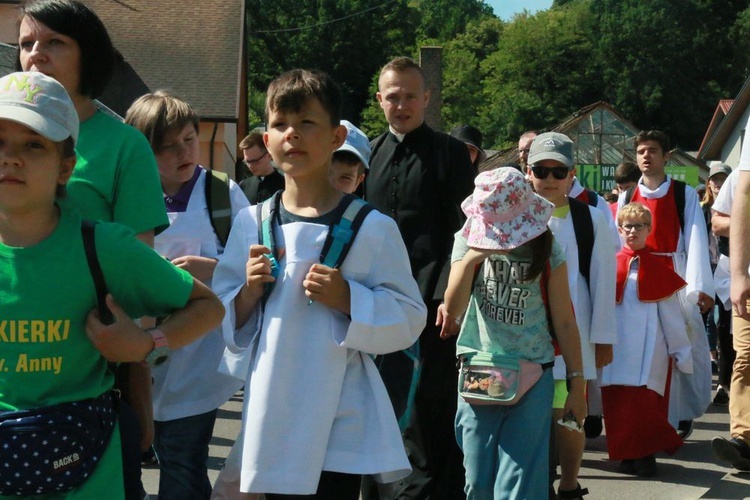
[{"x": 508, "y": 276}]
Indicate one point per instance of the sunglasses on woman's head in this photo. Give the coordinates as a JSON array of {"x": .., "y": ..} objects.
[{"x": 558, "y": 173}]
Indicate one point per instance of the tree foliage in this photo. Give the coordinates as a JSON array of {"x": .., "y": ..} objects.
[
  {"x": 661, "y": 60},
  {"x": 661, "y": 63},
  {"x": 349, "y": 39}
]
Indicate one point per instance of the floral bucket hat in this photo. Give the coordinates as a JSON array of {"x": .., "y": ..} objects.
[{"x": 503, "y": 212}]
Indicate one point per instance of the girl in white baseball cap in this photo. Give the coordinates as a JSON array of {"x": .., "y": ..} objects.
[{"x": 54, "y": 373}]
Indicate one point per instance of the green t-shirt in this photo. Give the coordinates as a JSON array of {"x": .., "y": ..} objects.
[
  {"x": 116, "y": 178},
  {"x": 506, "y": 315},
  {"x": 46, "y": 293}
]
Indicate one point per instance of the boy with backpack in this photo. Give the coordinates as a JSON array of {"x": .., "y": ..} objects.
[
  {"x": 55, "y": 358},
  {"x": 584, "y": 234},
  {"x": 200, "y": 204},
  {"x": 317, "y": 416}
]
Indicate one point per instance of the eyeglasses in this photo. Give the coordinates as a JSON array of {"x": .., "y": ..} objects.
[
  {"x": 252, "y": 162},
  {"x": 637, "y": 227},
  {"x": 558, "y": 173}
]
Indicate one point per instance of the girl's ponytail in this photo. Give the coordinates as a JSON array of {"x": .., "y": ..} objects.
[{"x": 541, "y": 249}]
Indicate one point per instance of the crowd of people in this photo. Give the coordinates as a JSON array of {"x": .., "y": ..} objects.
[{"x": 397, "y": 317}]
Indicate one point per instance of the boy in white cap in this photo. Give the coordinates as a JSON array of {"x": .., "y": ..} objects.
[
  {"x": 56, "y": 346},
  {"x": 350, "y": 161},
  {"x": 583, "y": 233}
]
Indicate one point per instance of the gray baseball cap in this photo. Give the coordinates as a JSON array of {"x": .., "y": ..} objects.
[
  {"x": 719, "y": 168},
  {"x": 552, "y": 146}
]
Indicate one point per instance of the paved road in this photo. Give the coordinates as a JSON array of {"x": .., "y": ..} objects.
[{"x": 691, "y": 474}]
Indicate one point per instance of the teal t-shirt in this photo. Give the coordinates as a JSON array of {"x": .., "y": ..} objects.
[
  {"x": 116, "y": 178},
  {"x": 506, "y": 315},
  {"x": 46, "y": 293}
]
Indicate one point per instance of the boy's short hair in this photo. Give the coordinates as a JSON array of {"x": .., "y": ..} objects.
[
  {"x": 634, "y": 210},
  {"x": 289, "y": 92},
  {"x": 157, "y": 114},
  {"x": 654, "y": 135},
  {"x": 253, "y": 139},
  {"x": 350, "y": 159},
  {"x": 76, "y": 20},
  {"x": 627, "y": 171}
]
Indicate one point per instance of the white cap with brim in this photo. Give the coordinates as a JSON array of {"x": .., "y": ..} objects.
[
  {"x": 40, "y": 103},
  {"x": 356, "y": 143}
]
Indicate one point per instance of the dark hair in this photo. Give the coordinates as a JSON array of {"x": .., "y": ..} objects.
[
  {"x": 627, "y": 172},
  {"x": 541, "y": 249},
  {"x": 350, "y": 159},
  {"x": 610, "y": 197},
  {"x": 74, "y": 19},
  {"x": 67, "y": 150},
  {"x": 158, "y": 114},
  {"x": 253, "y": 139},
  {"x": 654, "y": 135},
  {"x": 289, "y": 92}
]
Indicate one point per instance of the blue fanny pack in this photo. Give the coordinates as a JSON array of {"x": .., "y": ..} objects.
[{"x": 54, "y": 448}]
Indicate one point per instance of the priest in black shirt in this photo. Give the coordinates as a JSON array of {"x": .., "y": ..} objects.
[{"x": 419, "y": 177}]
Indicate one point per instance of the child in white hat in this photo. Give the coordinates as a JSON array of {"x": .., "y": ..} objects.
[
  {"x": 56, "y": 347},
  {"x": 350, "y": 161},
  {"x": 509, "y": 276}
]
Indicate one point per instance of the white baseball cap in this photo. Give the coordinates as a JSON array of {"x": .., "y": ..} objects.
[
  {"x": 356, "y": 143},
  {"x": 40, "y": 103}
]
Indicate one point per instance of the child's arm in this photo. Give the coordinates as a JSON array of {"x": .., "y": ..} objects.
[
  {"x": 566, "y": 329},
  {"x": 200, "y": 268},
  {"x": 257, "y": 274},
  {"x": 458, "y": 291},
  {"x": 124, "y": 341},
  {"x": 604, "y": 354}
]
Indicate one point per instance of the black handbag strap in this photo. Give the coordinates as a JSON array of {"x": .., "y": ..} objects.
[{"x": 88, "y": 233}]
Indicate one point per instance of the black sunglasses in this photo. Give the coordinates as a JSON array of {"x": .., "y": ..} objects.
[{"x": 558, "y": 173}]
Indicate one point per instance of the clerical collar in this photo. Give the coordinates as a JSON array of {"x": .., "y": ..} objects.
[{"x": 400, "y": 137}]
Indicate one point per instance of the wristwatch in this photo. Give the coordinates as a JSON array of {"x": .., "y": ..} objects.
[{"x": 160, "y": 352}]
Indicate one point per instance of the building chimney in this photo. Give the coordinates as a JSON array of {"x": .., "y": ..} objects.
[{"x": 431, "y": 62}]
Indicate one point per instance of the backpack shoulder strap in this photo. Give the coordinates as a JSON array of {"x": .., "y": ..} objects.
[
  {"x": 629, "y": 194},
  {"x": 342, "y": 232},
  {"x": 592, "y": 198},
  {"x": 218, "y": 202},
  {"x": 266, "y": 214},
  {"x": 88, "y": 233},
  {"x": 583, "y": 226},
  {"x": 679, "y": 199}
]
